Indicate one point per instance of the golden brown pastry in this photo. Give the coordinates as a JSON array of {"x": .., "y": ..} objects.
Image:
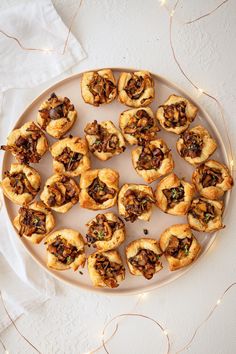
[
  {"x": 206, "y": 215},
  {"x": 70, "y": 156},
  {"x": 105, "y": 232},
  {"x": 174, "y": 195},
  {"x": 152, "y": 160},
  {"x": 28, "y": 143},
  {"x": 135, "y": 202},
  {"x": 136, "y": 89},
  {"x": 138, "y": 125},
  {"x": 212, "y": 179},
  {"x": 99, "y": 189},
  {"x": 143, "y": 257},
  {"x": 98, "y": 87},
  {"x": 60, "y": 193},
  {"x": 65, "y": 250},
  {"x": 196, "y": 145},
  {"x": 176, "y": 114},
  {"x": 179, "y": 245},
  {"x": 34, "y": 221},
  {"x": 56, "y": 115},
  {"x": 104, "y": 139},
  {"x": 106, "y": 269},
  {"x": 21, "y": 184}
]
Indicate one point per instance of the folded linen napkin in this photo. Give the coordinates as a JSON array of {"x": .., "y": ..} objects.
[{"x": 36, "y": 25}]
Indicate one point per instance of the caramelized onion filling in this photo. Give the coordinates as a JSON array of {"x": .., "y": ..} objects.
[
  {"x": 179, "y": 248},
  {"x": 150, "y": 158},
  {"x": 192, "y": 145},
  {"x": 70, "y": 159},
  {"x": 174, "y": 195},
  {"x": 99, "y": 191},
  {"x": 136, "y": 203},
  {"x": 102, "y": 89},
  {"x": 175, "y": 115},
  {"x": 203, "y": 211},
  {"x": 31, "y": 222},
  {"x": 65, "y": 252},
  {"x": 145, "y": 261},
  {"x": 109, "y": 271},
  {"x": 62, "y": 192},
  {"x": 210, "y": 176}
]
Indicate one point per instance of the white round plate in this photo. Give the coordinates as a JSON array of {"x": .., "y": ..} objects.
[{"x": 77, "y": 217}]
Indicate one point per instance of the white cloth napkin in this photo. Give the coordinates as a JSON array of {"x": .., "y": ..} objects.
[{"x": 23, "y": 283}]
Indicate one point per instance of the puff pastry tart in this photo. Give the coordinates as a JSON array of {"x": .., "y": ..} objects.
[
  {"x": 106, "y": 269},
  {"x": 60, "y": 193},
  {"x": 21, "y": 183},
  {"x": 34, "y": 221},
  {"x": 152, "y": 160},
  {"x": 212, "y": 179},
  {"x": 206, "y": 215},
  {"x": 98, "y": 87},
  {"x": 70, "y": 156},
  {"x": 196, "y": 145},
  {"x": 28, "y": 143},
  {"x": 174, "y": 195},
  {"x": 143, "y": 257},
  {"x": 176, "y": 114},
  {"x": 105, "y": 232},
  {"x": 104, "y": 139},
  {"x": 65, "y": 250},
  {"x": 56, "y": 115},
  {"x": 99, "y": 189},
  {"x": 135, "y": 202},
  {"x": 179, "y": 245},
  {"x": 136, "y": 89},
  {"x": 138, "y": 125}
]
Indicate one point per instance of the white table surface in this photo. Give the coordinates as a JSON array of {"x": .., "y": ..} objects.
[{"x": 134, "y": 33}]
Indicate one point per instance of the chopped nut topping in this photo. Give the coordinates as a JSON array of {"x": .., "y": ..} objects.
[
  {"x": 31, "y": 222},
  {"x": 102, "y": 229},
  {"x": 210, "y": 176},
  {"x": 150, "y": 158},
  {"x": 58, "y": 109},
  {"x": 145, "y": 261},
  {"x": 136, "y": 203},
  {"x": 99, "y": 191},
  {"x": 192, "y": 145},
  {"x": 102, "y": 89},
  {"x": 202, "y": 210},
  {"x": 136, "y": 86},
  {"x": 65, "y": 252},
  {"x": 175, "y": 114},
  {"x": 179, "y": 247},
  {"x": 25, "y": 148},
  {"x": 20, "y": 183},
  {"x": 62, "y": 192},
  {"x": 142, "y": 127},
  {"x": 105, "y": 141},
  {"x": 174, "y": 195},
  {"x": 109, "y": 271},
  {"x": 70, "y": 159}
]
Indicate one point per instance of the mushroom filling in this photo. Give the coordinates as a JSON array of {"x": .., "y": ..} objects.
[
  {"x": 62, "y": 192},
  {"x": 99, "y": 191},
  {"x": 70, "y": 159},
  {"x": 136, "y": 203},
  {"x": 175, "y": 115},
  {"x": 58, "y": 109},
  {"x": 202, "y": 211},
  {"x": 105, "y": 141},
  {"x": 146, "y": 262},
  {"x": 65, "y": 252},
  {"x": 109, "y": 271},
  {"x": 102, "y": 229},
  {"x": 136, "y": 86},
  {"x": 192, "y": 145},
  {"x": 141, "y": 126},
  {"x": 102, "y": 89},
  {"x": 150, "y": 158},
  {"x": 31, "y": 222},
  {"x": 20, "y": 184},
  {"x": 179, "y": 247},
  {"x": 25, "y": 148},
  {"x": 174, "y": 195},
  {"x": 210, "y": 176}
]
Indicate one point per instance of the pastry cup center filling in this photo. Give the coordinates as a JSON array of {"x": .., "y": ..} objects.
[
  {"x": 179, "y": 247},
  {"x": 137, "y": 85},
  {"x": 31, "y": 222},
  {"x": 210, "y": 176},
  {"x": 62, "y": 192},
  {"x": 70, "y": 159},
  {"x": 101, "y": 88},
  {"x": 108, "y": 270},
  {"x": 65, "y": 252},
  {"x": 174, "y": 195},
  {"x": 203, "y": 211},
  {"x": 99, "y": 191},
  {"x": 20, "y": 183},
  {"x": 150, "y": 158},
  {"x": 175, "y": 114},
  {"x": 136, "y": 203},
  {"x": 192, "y": 145},
  {"x": 145, "y": 261}
]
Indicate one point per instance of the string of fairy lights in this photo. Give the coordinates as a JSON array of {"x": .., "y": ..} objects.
[{"x": 117, "y": 319}]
